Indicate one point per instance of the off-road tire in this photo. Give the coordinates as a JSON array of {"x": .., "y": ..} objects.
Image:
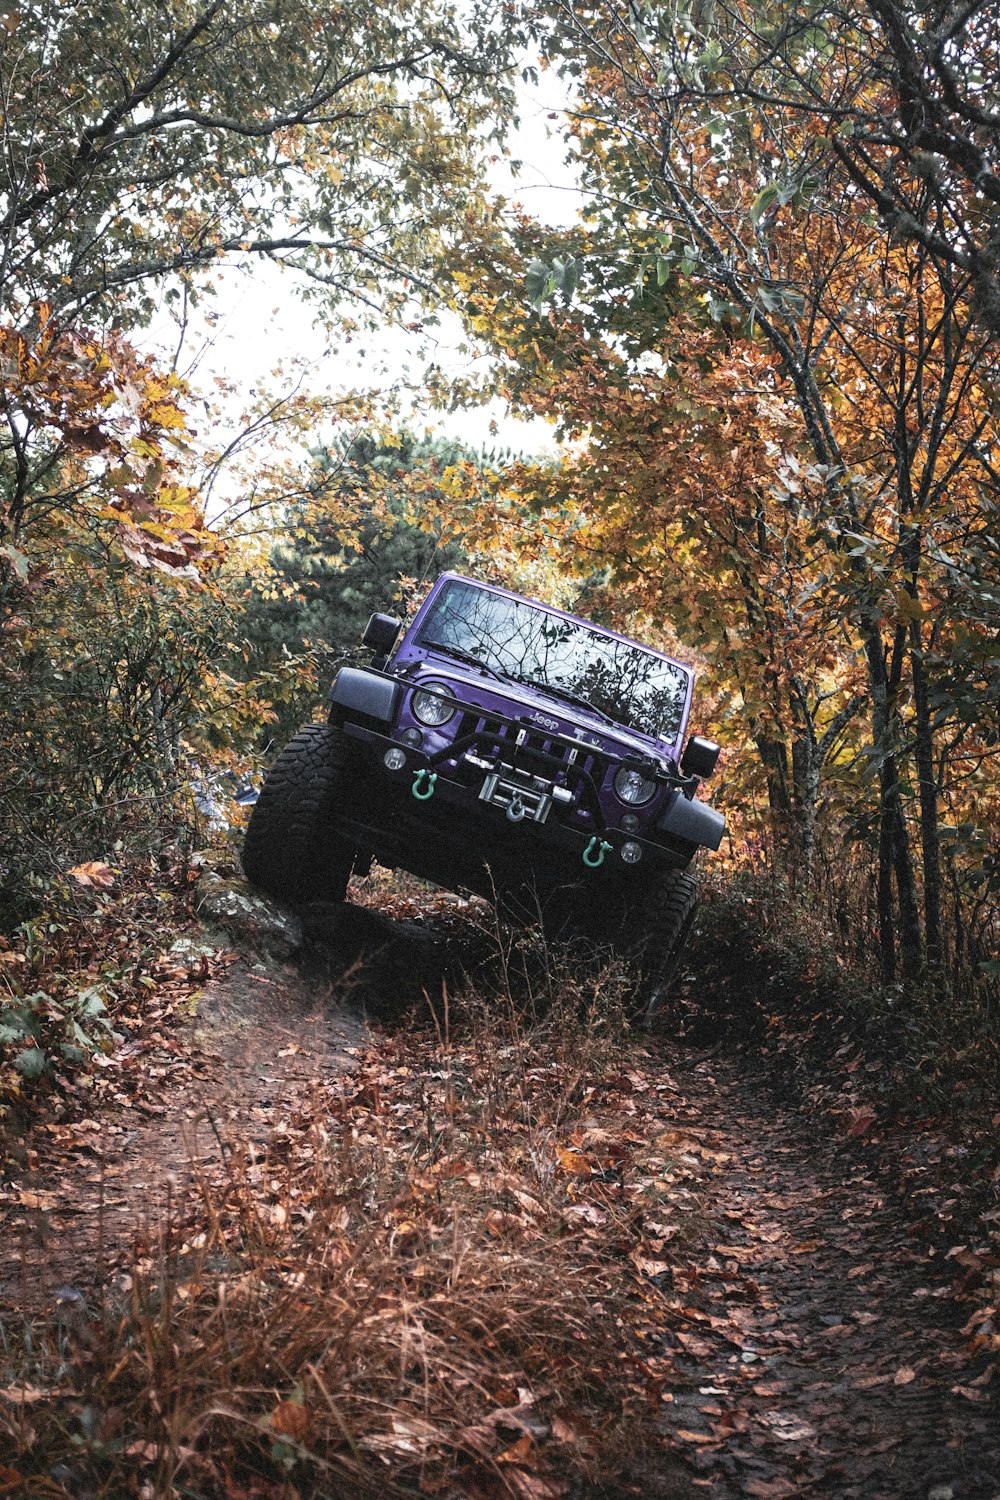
[
  {"x": 291, "y": 848},
  {"x": 660, "y": 936}
]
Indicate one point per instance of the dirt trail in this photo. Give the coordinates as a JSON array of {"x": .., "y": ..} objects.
[
  {"x": 95, "y": 1192},
  {"x": 822, "y": 1351},
  {"x": 817, "y": 1344},
  {"x": 101, "y": 1188}
]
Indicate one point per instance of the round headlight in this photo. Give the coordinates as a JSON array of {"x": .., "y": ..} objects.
[
  {"x": 433, "y": 708},
  {"x": 632, "y": 787}
]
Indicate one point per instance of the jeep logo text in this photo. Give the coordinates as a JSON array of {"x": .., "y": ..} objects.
[{"x": 537, "y": 718}]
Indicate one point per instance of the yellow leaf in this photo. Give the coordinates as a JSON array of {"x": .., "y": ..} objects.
[
  {"x": 909, "y": 607},
  {"x": 572, "y": 1161}
]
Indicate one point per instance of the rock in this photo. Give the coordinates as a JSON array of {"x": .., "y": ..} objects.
[
  {"x": 217, "y": 863},
  {"x": 240, "y": 909},
  {"x": 192, "y": 950}
]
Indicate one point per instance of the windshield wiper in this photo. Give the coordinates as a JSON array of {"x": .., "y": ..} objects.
[
  {"x": 467, "y": 656},
  {"x": 571, "y": 697}
]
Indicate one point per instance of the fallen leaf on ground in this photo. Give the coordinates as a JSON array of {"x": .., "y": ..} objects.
[
  {"x": 291, "y": 1419},
  {"x": 93, "y": 873},
  {"x": 519, "y": 1452},
  {"x": 787, "y": 1428}
]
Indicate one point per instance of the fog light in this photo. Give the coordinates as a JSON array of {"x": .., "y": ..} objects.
[
  {"x": 631, "y": 852},
  {"x": 412, "y": 737},
  {"x": 630, "y": 822},
  {"x": 394, "y": 759}
]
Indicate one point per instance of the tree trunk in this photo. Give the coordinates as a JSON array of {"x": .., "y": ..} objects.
[
  {"x": 927, "y": 781},
  {"x": 886, "y": 915},
  {"x": 806, "y": 764},
  {"x": 910, "y": 937},
  {"x": 774, "y": 758},
  {"x": 894, "y": 843}
]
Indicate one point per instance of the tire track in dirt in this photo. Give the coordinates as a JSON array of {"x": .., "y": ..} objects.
[{"x": 820, "y": 1346}]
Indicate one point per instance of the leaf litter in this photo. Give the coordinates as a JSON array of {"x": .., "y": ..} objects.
[{"x": 485, "y": 1253}]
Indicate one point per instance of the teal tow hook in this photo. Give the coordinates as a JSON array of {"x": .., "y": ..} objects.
[
  {"x": 424, "y": 782},
  {"x": 593, "y": 855}
]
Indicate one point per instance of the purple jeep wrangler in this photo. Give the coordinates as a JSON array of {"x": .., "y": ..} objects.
[{"x": 512, "y": 749}]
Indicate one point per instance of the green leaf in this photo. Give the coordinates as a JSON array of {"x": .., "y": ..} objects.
[
  {"x": 89, "y": 1003},
  {"x": 566, "y": 275},
  {"x": 536, "y": 281},
  {"x": 763, "y": 201},
  {"x": 18, "y": 1022},
  {"x": 31, "y": 1063}
]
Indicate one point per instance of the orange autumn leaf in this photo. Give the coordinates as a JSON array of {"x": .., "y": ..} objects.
[
  {"x": 93, "y": 873},
  {"x": 292, "y": 1420}
]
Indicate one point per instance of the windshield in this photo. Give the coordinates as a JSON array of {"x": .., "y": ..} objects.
[{"x": 629, "y": 684}]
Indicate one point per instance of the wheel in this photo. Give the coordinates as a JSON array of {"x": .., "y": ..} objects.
[
  {"x": 291, "y": 850},
  {"x": 659, "y": 940}
]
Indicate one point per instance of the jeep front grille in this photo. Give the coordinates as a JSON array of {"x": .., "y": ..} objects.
[{"x": 557, "y": 759}]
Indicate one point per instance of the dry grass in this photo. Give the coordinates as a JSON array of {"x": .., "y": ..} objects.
[{"x": 424, "y": 1286}]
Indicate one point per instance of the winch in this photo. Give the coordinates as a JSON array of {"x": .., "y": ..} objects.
[{"x": 521, "y": 795}]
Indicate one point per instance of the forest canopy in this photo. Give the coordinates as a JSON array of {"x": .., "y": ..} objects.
[{"x": 768, "y": 342}]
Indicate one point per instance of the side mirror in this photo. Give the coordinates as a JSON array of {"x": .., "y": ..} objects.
[
  {"x": 380, "y": 634},
  {"x": 700, "y": 757}
]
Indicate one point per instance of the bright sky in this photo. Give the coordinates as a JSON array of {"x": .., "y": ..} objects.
[{"x": 256, "y": 322}]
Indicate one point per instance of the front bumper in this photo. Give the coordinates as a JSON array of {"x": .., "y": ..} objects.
[{"x": 427, "y": 820}]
